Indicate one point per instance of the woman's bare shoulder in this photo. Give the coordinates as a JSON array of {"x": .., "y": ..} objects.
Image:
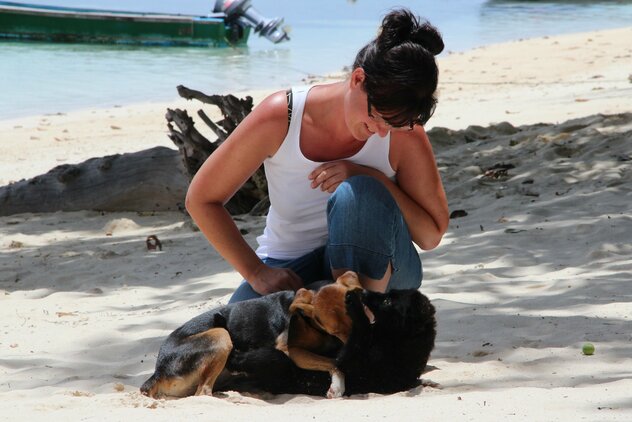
[
  {"x": 265, "y": 127},
  {"x": 411, "y": 146},
  {"x": 274, "y": 107}
]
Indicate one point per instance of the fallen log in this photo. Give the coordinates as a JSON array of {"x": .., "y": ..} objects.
[
  {"x": 149, "y": 180},
  {"x": 155, "y": 179}
]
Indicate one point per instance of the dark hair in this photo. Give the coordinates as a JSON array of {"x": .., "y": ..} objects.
[{"x": 401, "y": 73}]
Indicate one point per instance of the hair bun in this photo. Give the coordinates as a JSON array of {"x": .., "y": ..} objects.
[{"x": 401, "y": 25}]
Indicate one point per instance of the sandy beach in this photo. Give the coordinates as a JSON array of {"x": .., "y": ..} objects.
[{"x": 533, "y": 142}]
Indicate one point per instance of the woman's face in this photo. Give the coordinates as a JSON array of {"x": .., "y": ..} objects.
[
  {"x": 357, "y": 117},
  {"x": 361, "y": 117}
]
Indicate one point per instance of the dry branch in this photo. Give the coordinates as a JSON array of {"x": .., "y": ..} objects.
[{"x": 195, "y": 148}]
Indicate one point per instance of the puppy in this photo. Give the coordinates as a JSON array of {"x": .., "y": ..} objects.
[
  {"x": 316, "y": 317},
  {"x": 388, "y": 352},
  {"x": 259, "y": 339}
]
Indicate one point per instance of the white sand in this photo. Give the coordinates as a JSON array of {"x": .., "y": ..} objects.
[{"x": 541, "y": 264}]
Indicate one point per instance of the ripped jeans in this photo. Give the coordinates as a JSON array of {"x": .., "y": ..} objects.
[{"x": 366, "y": 232}]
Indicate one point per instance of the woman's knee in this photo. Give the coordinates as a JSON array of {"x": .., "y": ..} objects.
[
  {"x": 364, "y": 224},
  {"x": 361, "y": 187},
  {"x": 360, "y": 196},
  {"x": 367, "y": 230}
]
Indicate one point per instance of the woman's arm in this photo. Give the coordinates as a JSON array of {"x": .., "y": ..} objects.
[
  {"x": 258, "y": 136},
  {"x": 419, "y": 191}
]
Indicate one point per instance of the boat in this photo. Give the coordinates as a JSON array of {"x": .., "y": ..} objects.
[{"x": 230, "y": 24}]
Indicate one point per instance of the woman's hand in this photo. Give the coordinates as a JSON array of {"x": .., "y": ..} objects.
[
  {"x": 268, "y": 280},
  {"x": 328, "y": 176}
]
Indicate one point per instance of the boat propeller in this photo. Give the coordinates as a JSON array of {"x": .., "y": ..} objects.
[{"x": 243, "y": 12}]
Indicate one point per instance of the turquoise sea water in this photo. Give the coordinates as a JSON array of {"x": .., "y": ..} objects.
[{"x": 38, "y": 78}]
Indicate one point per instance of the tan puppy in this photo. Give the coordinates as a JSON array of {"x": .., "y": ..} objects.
[{"x": 315, "y": 317}]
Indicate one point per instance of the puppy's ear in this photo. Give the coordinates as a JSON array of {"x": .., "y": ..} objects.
[
  {"x": 303, "y": 301},
  {"x": 349, "y": 280}
]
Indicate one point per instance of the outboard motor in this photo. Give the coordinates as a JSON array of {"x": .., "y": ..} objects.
[{"x": 243, "y": 12}]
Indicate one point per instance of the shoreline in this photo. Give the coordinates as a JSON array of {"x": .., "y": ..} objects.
[
  {"x": 304, "y": 80},
  {"x": 541, "y": 80}
]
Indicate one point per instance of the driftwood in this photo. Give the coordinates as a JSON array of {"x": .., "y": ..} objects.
[
  {"x": 233, "y": 109},
  {"x": 195, "y": 148},
  {"x": 150, "y": 180}
]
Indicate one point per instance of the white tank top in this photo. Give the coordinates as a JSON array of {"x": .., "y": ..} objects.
[{"x": 297, "y": 222}]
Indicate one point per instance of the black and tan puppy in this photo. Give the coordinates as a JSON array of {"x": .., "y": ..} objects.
[{"x": 261, "y": 339}]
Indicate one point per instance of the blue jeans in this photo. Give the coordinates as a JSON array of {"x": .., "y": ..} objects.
[{"x": 366, "y": 232}]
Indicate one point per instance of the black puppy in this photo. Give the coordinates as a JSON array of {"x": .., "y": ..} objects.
[{"x": 389, "y": 353}]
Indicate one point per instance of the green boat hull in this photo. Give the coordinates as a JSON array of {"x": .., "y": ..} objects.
[{"x": 92, "y": 26}]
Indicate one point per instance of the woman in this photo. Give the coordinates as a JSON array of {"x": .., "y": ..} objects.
[{"x": 351, "y": 174}]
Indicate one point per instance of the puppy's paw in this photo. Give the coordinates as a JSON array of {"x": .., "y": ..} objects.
[
  {"x": 204, "y": 390},
  {"x": 302, "y": 301},
  {"x": 337, "y": 387},
  {"x": 332, "y": 393}
]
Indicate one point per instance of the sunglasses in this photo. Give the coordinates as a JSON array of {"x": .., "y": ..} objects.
[{"x": 391, "y": 126}]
